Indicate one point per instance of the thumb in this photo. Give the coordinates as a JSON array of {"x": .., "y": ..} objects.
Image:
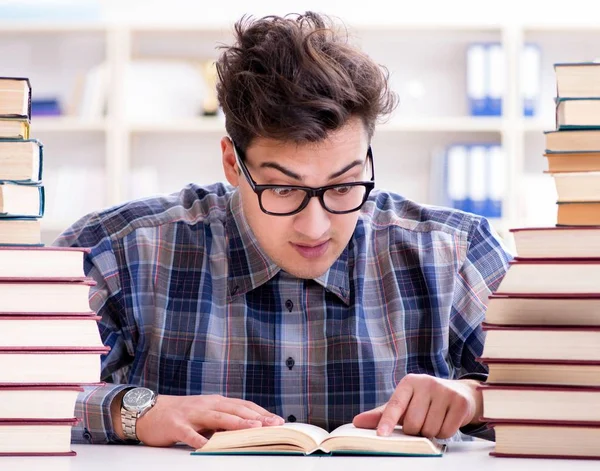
[
  {"x": 192, "y": 438},
  {"x": 369, "y": 419}
]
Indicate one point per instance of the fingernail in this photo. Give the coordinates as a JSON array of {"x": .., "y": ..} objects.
[
  {"x": 383, "y": 430},
  {"x": 255, "y": 423}
]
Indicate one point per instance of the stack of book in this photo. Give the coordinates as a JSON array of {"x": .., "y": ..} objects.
[
  {"x": 542, "y": 325},
  {"x": 49, "y": 340}
]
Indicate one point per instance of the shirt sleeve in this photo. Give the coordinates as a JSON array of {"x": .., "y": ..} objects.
[
  {"x": 485, "y": 265},
  {"x": 93, "y": 405}
]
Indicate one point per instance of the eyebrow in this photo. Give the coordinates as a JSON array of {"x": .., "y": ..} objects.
[{"x": 295, "y": 176}]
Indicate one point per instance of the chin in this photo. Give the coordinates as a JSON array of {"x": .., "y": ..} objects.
[{"x": 307, "y": 269}]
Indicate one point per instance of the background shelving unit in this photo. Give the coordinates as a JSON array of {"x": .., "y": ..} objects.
[{"x": 427, "y": 62}]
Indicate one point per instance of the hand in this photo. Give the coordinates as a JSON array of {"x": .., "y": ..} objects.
[
  {"x": 185, "y": 418},
  {"x": 426, "y": 405}
]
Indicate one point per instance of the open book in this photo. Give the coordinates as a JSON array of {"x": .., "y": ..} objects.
[{"x": 305, "y": 439}]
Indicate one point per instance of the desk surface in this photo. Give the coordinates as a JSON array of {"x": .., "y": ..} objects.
[{"x": 459, "y": 456}]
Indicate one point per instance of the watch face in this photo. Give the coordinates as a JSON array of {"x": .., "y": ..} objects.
[{"x": 138, "y": 398}]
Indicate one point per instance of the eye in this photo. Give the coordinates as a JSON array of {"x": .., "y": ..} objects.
[
  {"x": 342, "y": 190},
  {"x": 284, "y": 192}
]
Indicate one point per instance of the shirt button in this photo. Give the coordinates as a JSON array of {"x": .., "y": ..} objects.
[
  {"x": 291, "y": 418},
  {"x": 290, "y": 363},
  {"x": 289, "y": 305},
  {"x": 235, "y": 290},
  {"x": 87, "y": 436}
]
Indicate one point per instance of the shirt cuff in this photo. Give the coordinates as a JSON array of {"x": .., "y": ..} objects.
[
  {"x": 478, "y": 430},
  {"x": 93, "y": 411}
]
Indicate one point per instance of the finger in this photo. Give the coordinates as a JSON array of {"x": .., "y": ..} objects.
[
  {"x": 368, "y": 419},
  {"x": 416, "y": 412},
  {"x": 454, "y": 419},
  {"x": 241, "y": 410},
  {"x": 435, "y": 417},
  {"x": 274, "y": 418},
  {"x": 395, "y": 408},
  {"x": 190, "y": 437},
  {"x": 215, "y": 420}
]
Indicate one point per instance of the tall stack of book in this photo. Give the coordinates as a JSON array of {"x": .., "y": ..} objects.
[
  {"x": 50, "y": 345},
  {"x": 543, "y": 324}
]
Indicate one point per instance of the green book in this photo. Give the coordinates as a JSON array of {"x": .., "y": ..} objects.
[{"x": 305, "y": 439}]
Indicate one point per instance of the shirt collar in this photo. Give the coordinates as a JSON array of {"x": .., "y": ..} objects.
[{"x": 250, "y": 267}]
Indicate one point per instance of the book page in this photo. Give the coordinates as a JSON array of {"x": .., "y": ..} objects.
[
  {"x": 349, "y": 430},
  {"x": 316, "y": 433}
]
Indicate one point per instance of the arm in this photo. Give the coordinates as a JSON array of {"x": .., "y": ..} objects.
[
  {"x": 485, "y": 265},
  {"x": 173, "y": 418},
  {"x": 93, "y": 405},
  {"x": 437, "y": 407}
]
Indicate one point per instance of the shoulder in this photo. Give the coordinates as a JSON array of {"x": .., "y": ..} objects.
[
  {"x": 389, "y": 211},
  {"x": 191, "y": 206}
]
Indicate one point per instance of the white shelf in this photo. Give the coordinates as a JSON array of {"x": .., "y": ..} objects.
[
  {"x": 190, "y": 125},
  {"x": 51, "y": 225},
  {"x": 34, "y": 27},
  {"x": 446, "y": 124},
  {"x": 66, "y": 124}
]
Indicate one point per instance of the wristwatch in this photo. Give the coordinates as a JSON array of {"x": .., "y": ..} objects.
[{"x": 136, "y": 402}]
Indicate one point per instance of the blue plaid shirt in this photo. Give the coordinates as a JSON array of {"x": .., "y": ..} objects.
[{"x": 190, "y": 304}]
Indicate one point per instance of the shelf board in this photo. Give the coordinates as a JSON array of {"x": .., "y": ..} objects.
[
  {"x": 65, "y": 124},
  {"x": 33, "y": 27},
  {"x": 536, "y": 125},
  {"x": 190, "y": 125},
  {"x": 53, "y": 225},
  {"x": 445, "y": 124},
  {"x": 449, "y": 124}
]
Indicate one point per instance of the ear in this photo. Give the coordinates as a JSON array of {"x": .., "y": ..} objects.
[{"x": 229, "y": 163}]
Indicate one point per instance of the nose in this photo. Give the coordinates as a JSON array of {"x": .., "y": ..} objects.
[{"x": 313, "y": 221}]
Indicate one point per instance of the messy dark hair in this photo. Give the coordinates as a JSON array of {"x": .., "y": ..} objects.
[{"x": 296, "y": 79}]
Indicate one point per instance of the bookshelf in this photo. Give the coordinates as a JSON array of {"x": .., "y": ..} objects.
[{"x": 109, "y": 152}]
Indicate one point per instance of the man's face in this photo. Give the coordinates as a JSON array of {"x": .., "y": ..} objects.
[{"x": 308, "y": 243}]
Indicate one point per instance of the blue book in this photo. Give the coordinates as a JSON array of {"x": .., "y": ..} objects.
[
  {"x": 21, "y": 201},
  {"x": 306, "y": 439},
  {"x": 20, "y": 231},
  {"x": 577, "y": 113},
  {"x": 21, "y": 161}
]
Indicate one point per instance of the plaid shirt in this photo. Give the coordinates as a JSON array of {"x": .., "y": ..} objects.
[{"x": 190, "y": 304}]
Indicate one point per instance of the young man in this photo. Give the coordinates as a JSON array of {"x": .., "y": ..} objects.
[{"x": 297, "y": 293}]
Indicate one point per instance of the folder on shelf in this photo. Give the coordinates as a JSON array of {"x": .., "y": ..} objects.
[
  {"x": 496, "y": 77},
  {"x": 477, "y": 79},
  {"x": 530, "y": 78},
  {"x": 456, "y": 177},
  {"x": 476, "y": 179},
  {"x": 495, "y": 178}
]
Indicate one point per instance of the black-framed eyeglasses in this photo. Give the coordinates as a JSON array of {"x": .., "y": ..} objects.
[{"x": 286, "y": 200}]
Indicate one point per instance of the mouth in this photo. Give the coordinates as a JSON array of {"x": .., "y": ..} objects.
[{"x": 311, "y": 251}]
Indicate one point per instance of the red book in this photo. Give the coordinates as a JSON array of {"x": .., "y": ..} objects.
[
  {"x": 538, "y": 404},
  {"x": 542, "y": 372},
  {"x": 556, "y": 276},
  {"x": 36, "y": 438},
  {"x": 44, "y": 296},
  {"x": 579, "y": 344},
  {"x": 546, "y": 440},
  {"x": 72, "y": 366},
  {"x": 557, "y": 242},
  {"x": 36, "y": 402},
  {"x": 46, "y": 263},
  {"x": 49, "y": 332},
  {"x": 546, "y": 309}
]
